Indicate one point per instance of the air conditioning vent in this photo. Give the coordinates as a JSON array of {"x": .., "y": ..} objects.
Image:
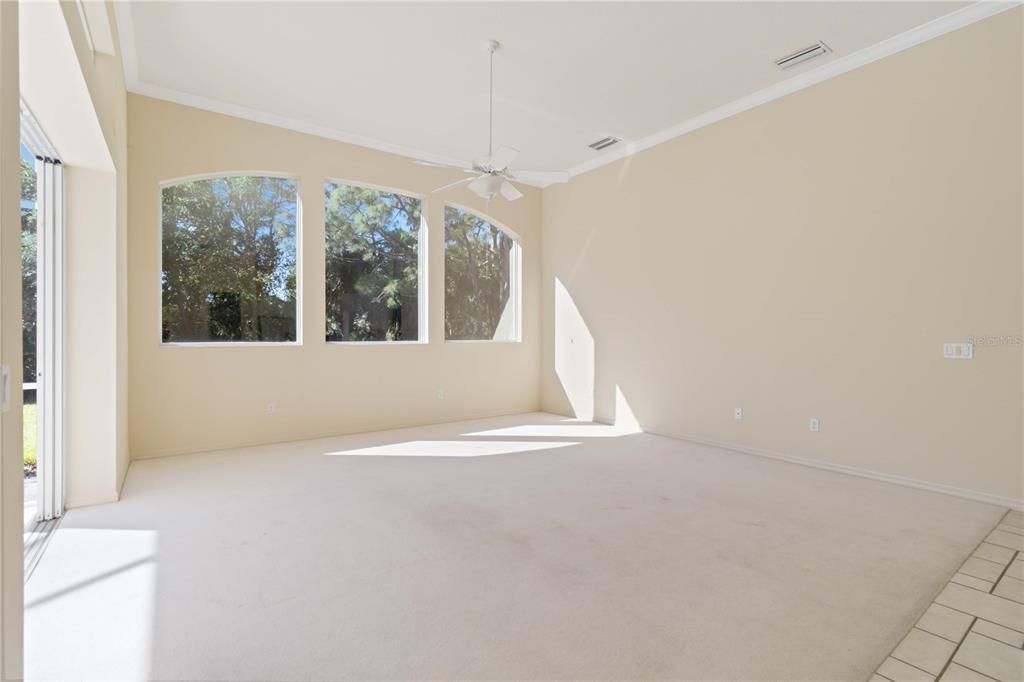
[
  {"x": 810, "y": 52},
  {"x": 604, "y": 143}
]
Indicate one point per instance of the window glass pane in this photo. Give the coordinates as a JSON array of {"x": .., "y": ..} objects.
[
  {"x": 372, "y": 266},
  {"x": 29, "y": 258},
  {"x": 479, "y": 303},
  {"x": 229, "y": 260}
]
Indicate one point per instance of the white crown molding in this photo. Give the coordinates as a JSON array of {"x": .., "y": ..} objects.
[
  {"x": 933, "y": 29},
  {"x": 977, "y": 496},
  {"x": 220, "y": 107}
]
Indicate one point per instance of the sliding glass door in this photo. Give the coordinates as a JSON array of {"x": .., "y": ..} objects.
[{"x": 43, "y": 319}]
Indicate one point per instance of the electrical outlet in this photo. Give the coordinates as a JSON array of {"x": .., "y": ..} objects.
[
  {"x": 739, "y": 413},
  {"x": 271, "y": 408},
  {"x": 814, "y": 424},
  {"x": 958, "y": 351},
  {"x": 440, "y": 394}
]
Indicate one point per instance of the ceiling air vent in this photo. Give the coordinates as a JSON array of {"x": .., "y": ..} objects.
[
  {"x": 604, "y": 143},
  {"x": 800, "y": 56}
]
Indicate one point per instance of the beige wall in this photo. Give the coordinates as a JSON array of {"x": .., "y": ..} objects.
[
  {"x": 97, "y": 205},
  {"x": 808, "y": 258},
  {"x": 196, "y": 398},
  {"x": 11, "y": 477}
]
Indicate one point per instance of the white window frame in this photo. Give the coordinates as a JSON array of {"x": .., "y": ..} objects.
[
  {"x": 422, "y": 264},
  {"x": 298, "y": 262},
  {"x": 515, "y": 276}
]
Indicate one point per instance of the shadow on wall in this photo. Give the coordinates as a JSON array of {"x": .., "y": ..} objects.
[{"x": 576, "y": 365}]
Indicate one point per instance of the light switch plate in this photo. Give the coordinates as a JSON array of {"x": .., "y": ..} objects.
[{"x": 958, "y": 351}]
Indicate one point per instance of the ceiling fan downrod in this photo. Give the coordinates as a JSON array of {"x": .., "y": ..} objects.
[{"x": 491, "y": 46}]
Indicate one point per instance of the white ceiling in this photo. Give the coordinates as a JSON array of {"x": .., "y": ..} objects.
[{"x": 412, "y": 77}]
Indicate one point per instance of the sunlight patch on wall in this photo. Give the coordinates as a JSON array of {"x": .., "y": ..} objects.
[
  {"x": 625, "y": 420},
  {"x": 506, "y": 329},
  {"x": 574, "y": 354}
]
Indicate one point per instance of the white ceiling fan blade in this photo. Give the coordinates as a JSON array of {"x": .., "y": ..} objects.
[
  {"x": 432, "y": 164},
  {"x": 509, "y": 191},
  {"x": 452, "y": 184},
  {"x": 541, "y": 177}
]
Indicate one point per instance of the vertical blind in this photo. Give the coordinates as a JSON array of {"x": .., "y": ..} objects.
[{"x": 50, "y": 329}]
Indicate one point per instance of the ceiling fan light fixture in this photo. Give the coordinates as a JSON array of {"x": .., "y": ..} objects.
[{"x": 487, "y": 186}]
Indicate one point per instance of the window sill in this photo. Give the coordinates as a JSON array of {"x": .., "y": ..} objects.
[
  {"x": 376, "y": 343},
  {"x": 230, "y": 344}
]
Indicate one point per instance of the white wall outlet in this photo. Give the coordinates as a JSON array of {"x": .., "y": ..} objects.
[
  {"x": 440, "y": 394},
  {"x": 958, "y": 351},
  {"x": 815, "y": 426},
  {"x": 271, "y": 408},
  {"x": 739, "y": 413}
]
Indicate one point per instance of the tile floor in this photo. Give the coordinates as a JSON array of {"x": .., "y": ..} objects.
[{"x": 974, "y": 630}]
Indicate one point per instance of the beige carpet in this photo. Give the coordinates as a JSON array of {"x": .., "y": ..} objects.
[{"x": 521, "y": 547}]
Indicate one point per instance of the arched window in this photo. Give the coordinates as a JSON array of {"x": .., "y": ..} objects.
[
  {"x": 228, "y": 247},
  {"x": 372, "y": 264},
  {"x": 481, "y": 279}
]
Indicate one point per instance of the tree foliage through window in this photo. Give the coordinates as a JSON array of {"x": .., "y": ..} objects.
[
  {"x": 372, "y": 264},
  {"x": 229, "y": 250},
  {"x": 29, "y": 264},
  {"x": 478, "y": 274}
]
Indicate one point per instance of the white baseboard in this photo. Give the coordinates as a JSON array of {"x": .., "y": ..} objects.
[{"x": 975, "y": 495}]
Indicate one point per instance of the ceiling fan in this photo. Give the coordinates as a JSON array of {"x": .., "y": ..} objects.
[{"x": 493, "y": 173}]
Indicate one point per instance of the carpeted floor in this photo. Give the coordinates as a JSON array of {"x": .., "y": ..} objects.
[{"x": 522, "y": 547}]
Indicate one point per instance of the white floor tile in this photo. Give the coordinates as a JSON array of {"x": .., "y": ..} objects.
[
  {"x": 1011, "y": 588},
  {"x": 924, "y": 650},
  {"x": 980, "y": 568},
  {"x": 957, "y": 673},
  {"x": 945, "y": 622},
  {"x": 1001, "y": 555},
  {"x": 992, "y": 608},
  {"x": 1005, "y": 635},
  {"x": 991, "y": 658},
  {"x": 972, "y": 582},
  {"x": 1004, "y": 539},
  {"x": 898, "y": 671}
]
